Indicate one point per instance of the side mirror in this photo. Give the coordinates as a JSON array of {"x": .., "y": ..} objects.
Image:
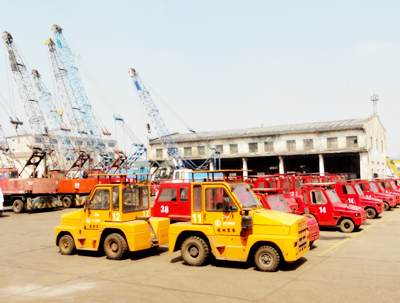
[{"x": 226, "y": 203}]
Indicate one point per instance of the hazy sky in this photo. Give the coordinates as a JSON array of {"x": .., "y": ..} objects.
[{"x": 222, "y": 64}]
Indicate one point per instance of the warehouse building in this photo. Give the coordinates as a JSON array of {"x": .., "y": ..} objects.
[{"x": 355, "y": 146}]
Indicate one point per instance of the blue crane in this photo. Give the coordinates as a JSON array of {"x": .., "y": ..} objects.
[
  {"x": 57, "y": 125},
  {"x": 94, "y": 130},
  {"x": 179, "y": 161}
]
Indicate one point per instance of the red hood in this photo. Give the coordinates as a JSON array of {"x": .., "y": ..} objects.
[
  {"x": 345, "y": 207},
  {"x": 372, "y": 200},
  {"x": 385, "y": 196}
]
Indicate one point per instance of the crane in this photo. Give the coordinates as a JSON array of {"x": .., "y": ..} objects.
[
  {"x": 31, "y": 105},
  {"x": 58, "y": 127},
  {"x": 179, "y": 161},
  {"x": 79, "y": 93}
]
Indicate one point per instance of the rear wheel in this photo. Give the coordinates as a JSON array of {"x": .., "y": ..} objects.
[
  {"x": 66, "y": 202},
  {"x": 115, "y": 246},
  {"x": 371, "y": 213},
  {"x": 312, "y": 217},
  {"x": 311, "y": 243},
  {"x": 387, "y": 206},
  {"x": 66, "y": 245},
  {"x": 347, "y": 226},
  {"x": 18, "y": 206},
  {"x": 194, "y": 251},
  {"x": 267, "y": 258}
]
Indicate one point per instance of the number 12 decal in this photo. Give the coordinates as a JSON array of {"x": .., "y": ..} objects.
[
  {"x": 194, "y": 218},
  {"x": 145, "y": 213},
  {"x": 322, "y": 209},
  {"x": 116, "y": 216}
]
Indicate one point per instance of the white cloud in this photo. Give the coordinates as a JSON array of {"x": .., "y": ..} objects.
[{"x": 373, "y": 48}]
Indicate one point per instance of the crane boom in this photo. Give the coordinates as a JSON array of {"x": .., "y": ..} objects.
[
  {"x": 31, "y": 105},
  {"x": 25, "y": 88},
  {"x": 76, "y": 116},
  {"x": 79, "y": 91},
  {"x": 57, "y": 125},
  {"x": 178, "y": 160}
]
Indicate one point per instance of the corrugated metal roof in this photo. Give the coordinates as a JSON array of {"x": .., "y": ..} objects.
[{"x": 269, "y": 130}]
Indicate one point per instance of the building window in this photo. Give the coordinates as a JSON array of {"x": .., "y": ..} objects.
[
  {"x": 68, "y": 141},
  {"x": 54, "y": 141},
  {"x": 187, "y": 151},
  {"x": 233, "y": 148},
  {"x": 111, "y": 144},
  {"x": 382, "y": 145},
  {"x": 80, "y": 143},
  {"x": 220, "y": 148},
  {"x": 351, "y": 142},
  {"x": 253, "y": 147},
  {"x": 332, "y": 143},
  {"x": 159, "y": 153},
  {"x": 308, "y": 144},
  {"x": 38, "y": 140},
  {"x": 201, "y": 150},
  {"x": 291, "y": 145},
  {"x": 269, "y": 147},
  {"x": 372, "y": 143},
  {"x": 377, "y": 146}
]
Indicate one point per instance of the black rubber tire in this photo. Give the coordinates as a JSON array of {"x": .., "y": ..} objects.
[
  {"x": 18, "y": 206},
  {"x": 194, "y": 251},
  {"x": 347, "y": 226},
  {"x": 66, "y": 245},
  {"x": 267, "y": 258},
  {"x": 66, "y": 202},
  {"x": 311, "y": 243},
  {"x": 371, "y": 213},
  {"x": 115, "y": 246},
  {"x": 387, "y": 206}
]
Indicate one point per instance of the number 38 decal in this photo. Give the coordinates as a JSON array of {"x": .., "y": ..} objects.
[
  {"x": 322, "y": 209},
  {"x": 164, "y": 209}
]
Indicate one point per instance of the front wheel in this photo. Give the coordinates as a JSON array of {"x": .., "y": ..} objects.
[
  {"x": 387, "y": 206},
  {"x": 66, "y": 245},
  {"x": 194, "y": 251},
  {"x": 66, "y": 202},
  {"x": 267, "y": 258},
  {"x": 347, "y": 226},
  {"x": 115, "y": 246},
  {"x": 371, "y": 213},
  {"x": 18, "y": 206}
]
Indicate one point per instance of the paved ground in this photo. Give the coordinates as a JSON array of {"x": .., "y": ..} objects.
[{"x": 360, "y": 267}]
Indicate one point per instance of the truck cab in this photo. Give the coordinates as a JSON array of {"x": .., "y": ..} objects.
[
  {"x": 321, "y": 202},
  {"x": 383, "y": 194},
  {"x": 228, "y": 221},
  {"x": 390, "y": 187},
  {"x": 352, "y": 193},
  {"x": 117, "y": 217}
]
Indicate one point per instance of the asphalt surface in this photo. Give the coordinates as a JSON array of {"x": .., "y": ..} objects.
[{"x": 358, "y": 267}]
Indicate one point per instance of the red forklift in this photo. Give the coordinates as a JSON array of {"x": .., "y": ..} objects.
[{"x": 372, "y": 190}]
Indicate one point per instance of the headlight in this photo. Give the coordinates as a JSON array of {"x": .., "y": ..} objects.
[{"x": 356, "y": 214}]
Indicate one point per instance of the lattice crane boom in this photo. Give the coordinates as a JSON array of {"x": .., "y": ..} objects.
[
  {"x": 79, "y": 91},
  {"x": 57, "y": 125},
  {"x": 161, "y": 129},
  {"x": 6, "y": 155}
]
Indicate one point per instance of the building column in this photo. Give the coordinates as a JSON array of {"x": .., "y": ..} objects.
[
  {"x": 245, "y": 173},
  {"x": 212, "y": 165},
  {"x": 362, "y": 176},
  {"x": 281, "y": 165},
  {"x": 321, "y": 164}
]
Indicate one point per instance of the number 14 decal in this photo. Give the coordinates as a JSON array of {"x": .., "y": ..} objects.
[{"x": 322, "y": 209}]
